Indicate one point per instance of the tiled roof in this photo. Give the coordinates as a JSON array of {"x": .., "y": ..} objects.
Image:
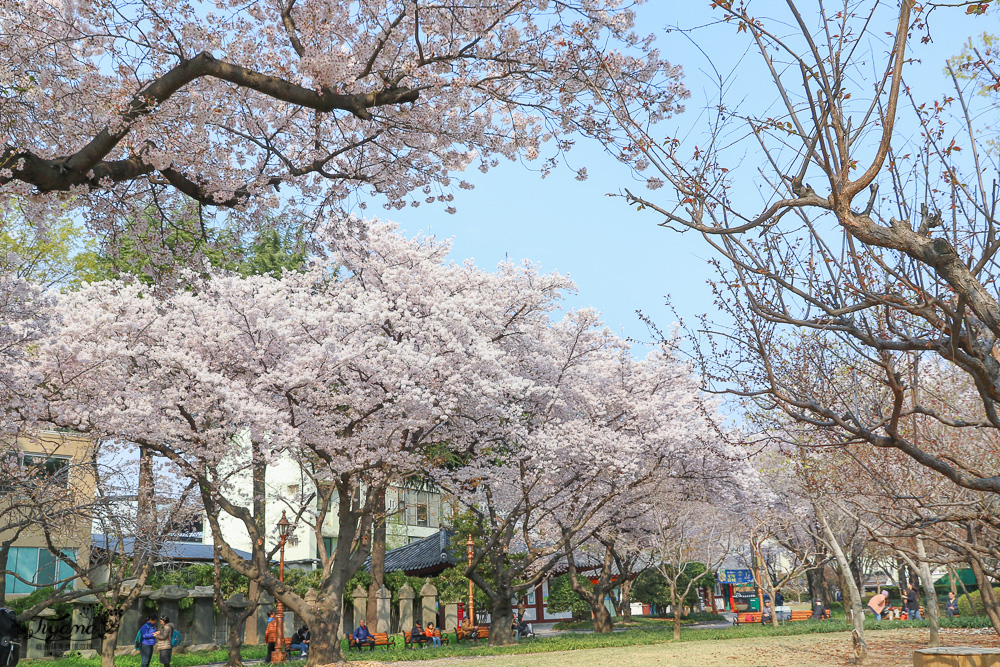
[
  {"x": 180, "y": 551},
  {"x": 434, "y": 551}
]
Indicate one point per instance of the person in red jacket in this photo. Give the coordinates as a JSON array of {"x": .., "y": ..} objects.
[{"x": 271, "y": 635}]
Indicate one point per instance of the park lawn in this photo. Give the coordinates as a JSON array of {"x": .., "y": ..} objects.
[
  {"x": 629, "y": 640},
  {"x": 887, "y": 648},
  {"x": 642, "y": 622}
]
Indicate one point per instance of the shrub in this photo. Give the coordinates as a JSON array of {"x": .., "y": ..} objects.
[{"x": 977, "y": 608}]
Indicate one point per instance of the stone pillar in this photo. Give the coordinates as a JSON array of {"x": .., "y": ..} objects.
[
  {"x": 428, "y": 599},
  {"x": 405, "y": 608},
  {"x": 202, "y": 617},
  {"x": 38, "y": 629},
  {"x": 168, "y": 602},
  {"x": 450, "y": 617},
  {"x": 360, "y": 596},
  {"x": 131, "y": 621},
  {"x": 250, "y": 628},
  {"x": 82, "y": 632},
  {"x": 266, "y": 604},
  {"x": 238, "y": 602},
  {"x": 310, "y": 598},
  {"x": 383, "y": 602}
]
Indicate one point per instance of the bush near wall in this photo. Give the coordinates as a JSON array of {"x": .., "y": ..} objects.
[{"x": 977, "y": 602}]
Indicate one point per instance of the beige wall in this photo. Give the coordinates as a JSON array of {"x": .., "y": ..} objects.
[{"x": 67, "y": 510}]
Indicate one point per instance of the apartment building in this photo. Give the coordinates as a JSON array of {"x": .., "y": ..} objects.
[{"x": 46, "y": 490}]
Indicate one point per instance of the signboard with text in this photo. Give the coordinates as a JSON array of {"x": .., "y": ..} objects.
[{"x": 735, "y": 577}]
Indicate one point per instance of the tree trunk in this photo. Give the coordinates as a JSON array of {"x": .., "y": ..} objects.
[
  {"x": 932, "y": 606},
  {"x": 377, "y": 565},
  {"x": 602, "y": 618},
  {"x": 965, "y": 591},
  {"x": 625, "y": 598},
  {"x": 857, "y": 614},
  {"x": 986, "y": 594},
  {"x": 234, "y": 657},
  {"x": 324, "y": 646},
  {"x": 109, "y": 644},
  {"x": 502, "y": 620},
  {"x": 678, "y": 610}
]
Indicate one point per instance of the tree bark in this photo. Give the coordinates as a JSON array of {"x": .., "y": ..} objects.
[
  {"x": 857, "y": 614},
  {"x": 986, "y": 593},
  {"x": 377, "y": 565},
  {"x": 602, "y": 619},
  {"x": 678, "y": 609},
  {"x": 502, "y": 620},
  {"x": 932, "y": 606},
  {"x": 625, "y": 598},
  {"x": 595, "y": 598}
]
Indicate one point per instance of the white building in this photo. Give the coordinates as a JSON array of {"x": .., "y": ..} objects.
[{"x": 415, "y": 511}]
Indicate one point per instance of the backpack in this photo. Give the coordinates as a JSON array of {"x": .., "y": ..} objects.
[
  {"x": 138, "y": 638},
  {"x": 176, "y": 638}
]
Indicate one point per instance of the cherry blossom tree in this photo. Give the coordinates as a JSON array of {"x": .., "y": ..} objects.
[
  {"x": 373, "y": 364},
  {"x": 109, "y": 106},
  {"x": 595, "y": 425}
]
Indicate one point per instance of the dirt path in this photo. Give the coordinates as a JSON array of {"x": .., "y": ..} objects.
[{"x": 887, "y": 648}]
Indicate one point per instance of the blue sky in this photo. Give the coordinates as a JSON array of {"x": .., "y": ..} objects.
[{"x": 621, "y": 260}]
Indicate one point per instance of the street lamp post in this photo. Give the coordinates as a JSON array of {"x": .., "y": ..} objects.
[
  {"x": 468, "y": 548},
  {"x": 284, "y": 528}
]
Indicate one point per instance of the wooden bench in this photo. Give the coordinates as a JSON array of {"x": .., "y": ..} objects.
[
  {"x": 480, "y": 632},
  {"x": 408, "y": 638},
  {"x": 797, "y": 615},
  {"x": 288, "y": 647},
  {"x": 381, "y": 639},
  {"x": 806, "y": 615}
]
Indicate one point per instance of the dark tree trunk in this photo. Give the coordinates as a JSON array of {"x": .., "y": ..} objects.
[
  {"x": 235, "y": 642},
  {"x": 502, "y": 621},
  {"x": 602, "y": 619},
  {"x": 377, "y": 565},
  {"x": 324, "y": 646},
  {"x": 986, "y": 594},
  {"x": 595, "y": 597},
  {"x": 626, "y": 600}
]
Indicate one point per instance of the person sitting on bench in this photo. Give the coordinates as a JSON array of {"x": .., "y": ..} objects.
[
  {"x": 362, "y": 637},
  {"x": 300, "y": 641},
  {"x": 766, "y": 614},
  {"x": 417, "y": 635}
]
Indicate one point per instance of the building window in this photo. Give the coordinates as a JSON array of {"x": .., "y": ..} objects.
[
  {"x": 422, "y": 513},
  {"x": 43, "y": 466},
  {"x": 530, "y": 600},
  {"x": 37, "y": 566},
  {"x": 329, "y": 544}
]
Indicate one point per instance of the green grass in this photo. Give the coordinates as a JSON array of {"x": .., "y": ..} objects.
[
  {"x": 645, "y": 633},
  {"x": 643, "y": 622}
]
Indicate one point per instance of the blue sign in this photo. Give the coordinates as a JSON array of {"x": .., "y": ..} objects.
[{"x": 735, "y": 577}]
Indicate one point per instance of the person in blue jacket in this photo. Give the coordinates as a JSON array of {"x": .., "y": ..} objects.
[
  {"x": 362, "y": 637},
  {"x": 148, "y": 634}
]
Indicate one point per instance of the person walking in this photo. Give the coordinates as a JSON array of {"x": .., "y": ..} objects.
[
  {"x": 877, "y": 604},
  {"x": 163, "y": 637},
  {"x": 147, "y": 634},
  {"x": 271, "y": 635},
  {"x": 951, "y": 606},
  {"x": 912, "y": 603}
]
